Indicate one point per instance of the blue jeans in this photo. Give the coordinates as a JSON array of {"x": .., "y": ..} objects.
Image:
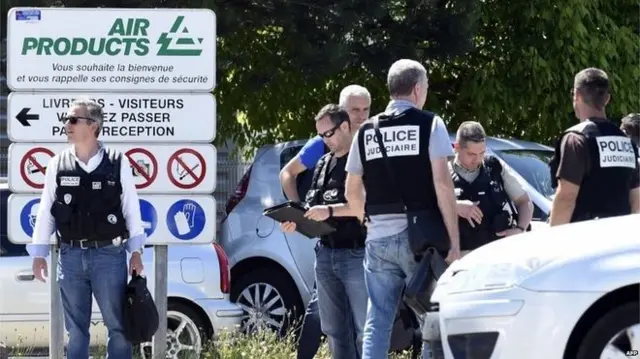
[
  {"x": 103, "y": 272},
  {"x": 388, "y": 266},
  {"x": 342, "y": 299},
  {"x": 311, "y": 333}
]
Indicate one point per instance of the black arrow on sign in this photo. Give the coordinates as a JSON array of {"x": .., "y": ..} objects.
[{"x": 23, "y": 116}]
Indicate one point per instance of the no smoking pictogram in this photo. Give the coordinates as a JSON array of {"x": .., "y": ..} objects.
[
  {"x": 144, "y": 166},
  {"x": 33, "y": 166},
  {"x": 186, "y": 168}
]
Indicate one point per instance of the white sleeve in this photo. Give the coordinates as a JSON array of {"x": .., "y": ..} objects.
[
  {"x": 45, "y": 223},
  {"x": 130, "y": 200}
]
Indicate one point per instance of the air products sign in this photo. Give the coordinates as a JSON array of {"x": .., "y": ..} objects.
[{"x": 136, "y": 49}]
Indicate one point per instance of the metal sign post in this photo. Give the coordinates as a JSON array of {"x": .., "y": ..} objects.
[
  {"x": 56, "y": 320},
  {"x": 160, "y": 264}
]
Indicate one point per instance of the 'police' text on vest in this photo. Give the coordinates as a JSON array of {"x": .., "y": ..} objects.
[
  {"x": 398, "y": 141},
  {"x": 616, "y": 151}
]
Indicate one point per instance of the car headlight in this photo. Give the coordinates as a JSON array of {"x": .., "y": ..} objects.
[{"x": 486, "y": 276}]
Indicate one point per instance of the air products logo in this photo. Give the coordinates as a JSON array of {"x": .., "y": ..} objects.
[
  {"x": 127, "y": 36},
  {"x": 184, "y": 44}
]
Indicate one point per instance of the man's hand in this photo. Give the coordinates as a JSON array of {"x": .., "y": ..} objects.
[
  {"x": 510, "y": 232},
  {"x": 317, "y": 213},
  {"x": 470, "y": 211},
  {"x": 39, "y": 268},
  {"x": 135, "y": 263},
  {"x": 454, "y": 253},
  {"x": 288, "y": 227}
]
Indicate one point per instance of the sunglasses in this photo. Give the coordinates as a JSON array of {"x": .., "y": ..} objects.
[
  {"x": 332, "y": 131},
  {"x": 74, "y": 119}
]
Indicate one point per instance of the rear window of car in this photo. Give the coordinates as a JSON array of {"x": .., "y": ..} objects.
[{"x": 533, "y": 166}]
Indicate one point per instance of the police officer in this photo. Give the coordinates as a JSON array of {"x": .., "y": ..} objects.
[
  {"x": 594, "y": 166},
  {"x": 89, "y": 199},
  {"x": 356, "y": 100},
  {"x": 418, "y": 148},
  {"x": 342, "y": 295},
  {"x": 491, "y": 203},
  {"x": 630, "y": 125}
]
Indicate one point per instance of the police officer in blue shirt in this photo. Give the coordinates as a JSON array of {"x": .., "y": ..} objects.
[
  {"x": 356, "y": 100},
  {"x": 90, "y": 201}
]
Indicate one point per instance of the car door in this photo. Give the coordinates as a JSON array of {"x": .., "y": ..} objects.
[
  {"x": 24, "y": 302},
  {"x": 301, "y": 247}
]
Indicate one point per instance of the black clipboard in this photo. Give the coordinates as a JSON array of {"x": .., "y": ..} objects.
[{"x": 294, "y": 212}]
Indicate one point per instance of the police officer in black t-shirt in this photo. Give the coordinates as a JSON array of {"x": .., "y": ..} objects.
[{"x": 594, "y": 166}]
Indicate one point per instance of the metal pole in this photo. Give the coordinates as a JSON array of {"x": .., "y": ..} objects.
[
  {"x": 160, "y": 263},
  {"x": 56, "y": 320}
]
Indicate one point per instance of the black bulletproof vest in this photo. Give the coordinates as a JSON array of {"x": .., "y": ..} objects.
[
  {"x": 88, "y": 205},
  {"x": 493, "y": 201},
  {"x": 604, "y": 191},
  {"x": 406, "y": 139},
  {"x": 327, "y": 187}
]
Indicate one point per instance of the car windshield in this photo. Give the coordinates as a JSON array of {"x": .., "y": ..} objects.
[{"x": 533, "y": 166}]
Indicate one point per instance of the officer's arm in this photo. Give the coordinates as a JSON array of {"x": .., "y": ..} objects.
[
  {"x": 564, "y": 203},
  {"x": 288, "y": 176},
  {"x": 45, "y": 224},
  {"x": 634, "y": 194},
  {"x": 131, "y": 208},
  {"x": 518, "y": 195},
  {"x": 354, "y": 187},
  {"x": 571, "y": 170}
]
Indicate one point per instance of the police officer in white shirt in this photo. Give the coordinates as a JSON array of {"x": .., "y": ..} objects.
[{"x": 90, "y": 201}]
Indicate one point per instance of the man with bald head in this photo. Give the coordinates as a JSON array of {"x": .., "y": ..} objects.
[{"x": 417, "y": 146}]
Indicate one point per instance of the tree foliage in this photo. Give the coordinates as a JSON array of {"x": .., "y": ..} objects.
[{"x": 507, "y": 64}]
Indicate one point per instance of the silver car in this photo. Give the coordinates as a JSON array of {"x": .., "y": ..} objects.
[
  {"x": 272, "y": 272},
  {"x": 198, "y": 297}
]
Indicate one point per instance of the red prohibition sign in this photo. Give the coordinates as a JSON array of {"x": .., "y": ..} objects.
[
  {"x": 40, "y": 167},
  {"x": 149, "y": 177},
  {"x": 188, "y": 171}
]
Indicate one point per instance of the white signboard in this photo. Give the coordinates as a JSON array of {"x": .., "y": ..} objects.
[
  {"x": 179, "y": 168},
  {"x": 167, "y": 219},
  {"x": 128, "y": 117},
  {"x": 117, "y": 49}
]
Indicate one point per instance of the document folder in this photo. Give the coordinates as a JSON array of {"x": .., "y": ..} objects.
[{"x": 294, "y": 212}]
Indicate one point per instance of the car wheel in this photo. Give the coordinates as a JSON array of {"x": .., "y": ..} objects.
[
  {"x": 614, "y": 335},
  {"x": 268, "y": 299},
  {"x": 186, "y": 332}
]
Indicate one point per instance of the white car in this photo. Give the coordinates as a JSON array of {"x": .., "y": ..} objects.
[
  {"x": 566, "y": 292},
  {"x": 198, "y": 297}
]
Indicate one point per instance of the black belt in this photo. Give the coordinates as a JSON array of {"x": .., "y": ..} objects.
[
  {"x": 341, "y": 243},
  {"x": 389, "y": 208},
  {"x": 86, "y": 244}
]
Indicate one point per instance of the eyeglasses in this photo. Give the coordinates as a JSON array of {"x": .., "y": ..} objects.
[
  {"x": 332, "y": 131},
  {"x": 74, "y": 119}
]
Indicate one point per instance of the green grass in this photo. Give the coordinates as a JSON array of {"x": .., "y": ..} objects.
[{"x": 262, "y": 345}]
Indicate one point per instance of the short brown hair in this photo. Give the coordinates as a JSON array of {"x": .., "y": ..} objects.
[
  {"x": 470, "y": 131},
  {"x": 336, "y": 114},
  {"x": 593, "y": 86}
]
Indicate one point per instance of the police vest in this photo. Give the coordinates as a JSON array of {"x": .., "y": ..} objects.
[
  {"x": 328, "y": 187},
  {"x": 604, "y": 191},
  {"x": 406, "y": 139},
  {"x": 88, "y": 205},
  {"x": 495, "y": 204}
]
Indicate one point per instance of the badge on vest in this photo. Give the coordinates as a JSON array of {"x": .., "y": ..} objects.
[
  {"x": 96, "y": 185},
  {"x": 616, "y": 151},
  {"x": 331, "y": 195},
  {"x": 67, "y": 198},
  {"x": 69, "y": 181},
  {"x": 116, "y": 241},
  {"x": 111, "y": 183},
  {"x": 112, "y": 219}
]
